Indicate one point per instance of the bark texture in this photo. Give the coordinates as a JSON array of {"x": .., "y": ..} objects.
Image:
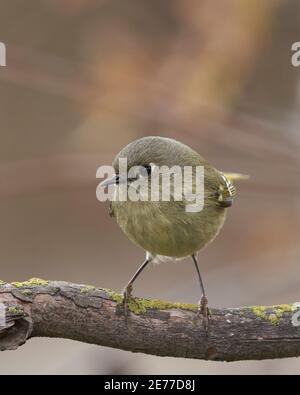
[{"x": 39, "y": 308}]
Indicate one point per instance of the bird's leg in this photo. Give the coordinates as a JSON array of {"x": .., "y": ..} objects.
[
  {"x": 126, "y": 294},
  {"x": 203, "y": 309},
  {"x": 129, "y": 287}
]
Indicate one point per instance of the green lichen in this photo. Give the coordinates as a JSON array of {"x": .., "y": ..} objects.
[
  {"x": 272, "y": 314},
  {"x": 259, "y": 311},
  {"x": 284, "y": 308},
  {"x": 86, "y": 289},
  {"x": 2, "y": 282},
  {"x": 139, "y": 306},
  {"x": 114, "y": 296},
  {"x": 26, "y": 292},
  {"x": 14, "y": 310},
  {"x": 30, "y": 283}
]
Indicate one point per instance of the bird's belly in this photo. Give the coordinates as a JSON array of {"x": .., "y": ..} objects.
[{"x": 161, "y": 234}]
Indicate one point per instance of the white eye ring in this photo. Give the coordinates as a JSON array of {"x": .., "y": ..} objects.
[
  {"x": 153, "y": 167},
  {"x": 147, "y": 170}
]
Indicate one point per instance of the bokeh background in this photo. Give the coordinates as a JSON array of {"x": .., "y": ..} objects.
[{"x": 84, "y": 78}]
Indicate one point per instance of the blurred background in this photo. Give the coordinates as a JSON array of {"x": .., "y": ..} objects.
[{"x": 84, "y": 78}]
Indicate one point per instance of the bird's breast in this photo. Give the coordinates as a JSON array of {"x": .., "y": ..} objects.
[{"x": 165, "y": 228}]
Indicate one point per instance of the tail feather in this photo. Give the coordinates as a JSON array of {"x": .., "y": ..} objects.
[{"x": 236, "y": 176}]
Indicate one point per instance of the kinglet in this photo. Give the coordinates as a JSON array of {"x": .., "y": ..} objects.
[{"x": 167, "y": 228}]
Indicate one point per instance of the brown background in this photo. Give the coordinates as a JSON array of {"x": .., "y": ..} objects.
[{"x": 84, "y": 78}]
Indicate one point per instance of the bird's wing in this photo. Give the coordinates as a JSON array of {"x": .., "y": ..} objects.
[{"x": 227, "y": 190}]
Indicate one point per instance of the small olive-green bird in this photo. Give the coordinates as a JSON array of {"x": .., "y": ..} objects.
[{"x": 166, "y": 228}]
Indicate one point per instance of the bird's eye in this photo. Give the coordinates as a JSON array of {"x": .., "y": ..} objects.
[{"x": 148, "y": 169}]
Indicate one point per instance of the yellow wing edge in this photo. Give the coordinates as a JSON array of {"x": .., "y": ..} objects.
[{"x": 236, "y": 176}]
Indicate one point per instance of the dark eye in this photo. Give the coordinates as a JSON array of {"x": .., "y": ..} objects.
[{"x": 148, "y": 169}]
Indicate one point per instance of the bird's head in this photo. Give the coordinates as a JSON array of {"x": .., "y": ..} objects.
[{"x": 144, "y": 154}]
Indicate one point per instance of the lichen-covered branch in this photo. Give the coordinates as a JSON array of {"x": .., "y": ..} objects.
[{"x": 39, "y": 308}]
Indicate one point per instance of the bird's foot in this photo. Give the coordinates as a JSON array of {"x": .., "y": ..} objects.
[
  {"x": 126, "y": 296},
  {"x": 204, "y": 312}
]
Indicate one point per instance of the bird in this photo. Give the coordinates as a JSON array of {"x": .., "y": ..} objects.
[{"x": 166, "y": 228}]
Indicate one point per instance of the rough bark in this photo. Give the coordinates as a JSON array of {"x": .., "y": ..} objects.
[{"x": 39, "y": 308}]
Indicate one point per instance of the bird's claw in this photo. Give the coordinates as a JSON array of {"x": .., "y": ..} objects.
[
  {"x": 204, "y": 312},
  {"x": 126, "y": 296}
]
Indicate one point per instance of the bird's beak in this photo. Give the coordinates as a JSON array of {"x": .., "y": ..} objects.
[{"x": 115, "y": 180}]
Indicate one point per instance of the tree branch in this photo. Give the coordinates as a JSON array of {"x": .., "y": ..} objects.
[{"x": 39, "y": 308}]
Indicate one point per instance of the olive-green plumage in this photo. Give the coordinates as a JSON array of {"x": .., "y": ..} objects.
[{"x": 166, "y": 228}]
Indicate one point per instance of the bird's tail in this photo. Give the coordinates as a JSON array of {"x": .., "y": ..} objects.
[{"x": 236, "y": 176}]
